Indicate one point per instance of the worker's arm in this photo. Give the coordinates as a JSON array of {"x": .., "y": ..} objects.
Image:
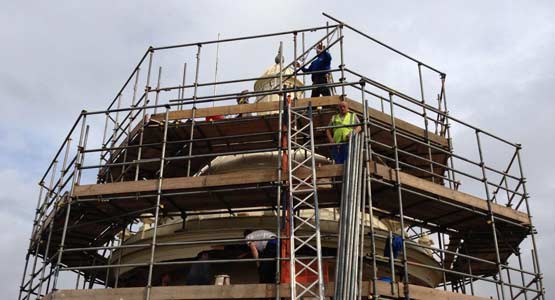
[
  {"x": 304, "y": 69},
  {"x": 254, "y": 252},
  {"x": 329, "y": 135},
  {"x": 326, "y": 57}
]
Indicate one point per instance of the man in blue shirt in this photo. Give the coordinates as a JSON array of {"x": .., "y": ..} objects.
[{"x": 321, "y": 67}]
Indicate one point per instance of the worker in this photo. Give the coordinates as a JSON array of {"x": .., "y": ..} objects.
[
  {"x": 243, "y": 99},
  {"x": 321, "y": 65},
  {"x": 166, "y": 279},
  {"x": 340, "y": 135},
  {"x": 392, "y": 249},
  {"x": 262, "y": 244},
  {"x": 397, "y": 242},
  {"x": 199, "y": 273}
]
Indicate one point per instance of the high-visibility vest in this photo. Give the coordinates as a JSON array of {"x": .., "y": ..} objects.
[{"x": 341, "y": 134}]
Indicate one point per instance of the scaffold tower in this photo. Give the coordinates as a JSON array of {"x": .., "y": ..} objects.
[{"x": 151, "y": 197}]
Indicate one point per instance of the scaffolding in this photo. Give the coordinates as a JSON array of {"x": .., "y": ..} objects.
[{"x": 146, "y": 153}]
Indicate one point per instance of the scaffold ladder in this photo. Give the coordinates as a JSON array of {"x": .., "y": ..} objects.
[{"x": 303, "y": 194}]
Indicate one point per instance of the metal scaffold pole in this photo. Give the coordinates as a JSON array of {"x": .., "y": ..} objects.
[
  {"x": 400, "y": 199},
  {"x": 195, "y": 91},
  {"x": 349, "y": 244},
  {"x": 367, "y": 138},
  {"x": 342, "y": 64},
  {"x": 538, "y": 276},
  {"x": 157, "y": 97},
  {"x": 46, "y": 259},
  {"x": 491, "y": 218},
  {"x": 281, "y": 163},
  {"x": 158, "y": 205},
  {"x": 142, "y": 123},
  {"x": 76, "y": 172},
  {"x": 37, "y": 228}
]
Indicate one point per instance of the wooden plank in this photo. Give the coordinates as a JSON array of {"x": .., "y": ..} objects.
[
  {"x": 245, "y": 291},
  {"x": 449, "y": 194},
  {"x": 234, "y": 178},
  {"x": 319, "y": 101},
  {"x": 243, "y": 108},
  {"x": 463, "y": 198},
  {"x": 326, "y": 171}
]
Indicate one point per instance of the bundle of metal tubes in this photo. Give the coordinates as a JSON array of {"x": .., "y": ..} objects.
[{"x": 348, "y": 243}]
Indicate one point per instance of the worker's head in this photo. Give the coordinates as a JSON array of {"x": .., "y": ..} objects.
[
  {"x": 247, "y": 232},
  {"x": 166, "y": 278},
  {"x": 343, "y": 107},
  {"x": 319, "y": 48},
  {"x": 242, "y": 99},
  {"x": 279, "y": 59}
]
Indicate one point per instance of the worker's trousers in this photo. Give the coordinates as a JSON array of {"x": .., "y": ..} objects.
[{"x": 340, "y": 153}]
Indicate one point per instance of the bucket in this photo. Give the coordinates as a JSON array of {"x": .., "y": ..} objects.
[{"x": 222, "y": 279}]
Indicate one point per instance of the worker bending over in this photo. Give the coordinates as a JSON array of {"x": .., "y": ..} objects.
[
  {"x": 340, "y": 135},
  {"x": 262, "y": 244}
]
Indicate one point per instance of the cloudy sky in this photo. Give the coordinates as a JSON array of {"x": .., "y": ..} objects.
[{"x": 61, "y": 57}]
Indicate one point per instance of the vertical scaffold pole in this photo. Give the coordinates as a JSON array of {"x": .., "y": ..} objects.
[
  {"x": 367, "y": 138},
  {"x": 280, "y": 146},
  {"x": 442, "y": 247},
  {"x": 538, "y": 275},
  {"x": 158, "y": 203},
  {"x": 304, "y": 51},
  {"x": 342, "y": 65},
  {"x": 76, "y": 172},
  {"x": 491, "y": 218},
  {"x": 518, "y": 255},
  {"x": 46, "y": 259},
  {"x": 400, "y": 199},
  {"x": 156, "y": 99},
  {"x": 453, "y": 183},
  {"x": 535, "y": 265},
  {"x": 195, "y": 91},
  {"x": 120, "y": 243},
  {"x": 143, "y": 118},
  {"x": 181, "y": 90},
  {"x": 112, "y": 242},
  {"x": 36, "y": 229},
  {"x": 103, "y": 145},
  {"x": 391, "y": 263},
  {"x": 116, "y": 123},
  {"x": 471, "y": 277},
  {"x": 82, "y": 156},
  {"x": 295, "y": 66},
  {"x": 426, "y": 125},
  {"x": 510, "y": 284},
  {"x": 132, "y": 116}
]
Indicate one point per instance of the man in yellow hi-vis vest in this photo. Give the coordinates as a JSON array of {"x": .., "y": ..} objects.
[{"x": 340, "y": 135}]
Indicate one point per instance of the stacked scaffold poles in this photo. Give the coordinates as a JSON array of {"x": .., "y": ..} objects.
[{"x": 348, "y": 246}]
